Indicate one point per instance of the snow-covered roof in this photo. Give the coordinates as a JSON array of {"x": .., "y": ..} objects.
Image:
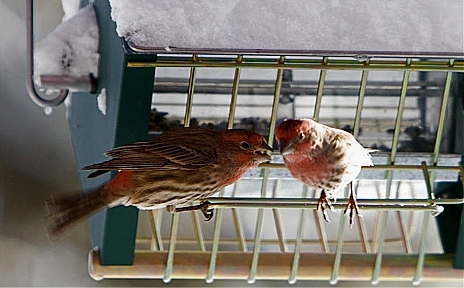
[{"x": 374, "y": 25}]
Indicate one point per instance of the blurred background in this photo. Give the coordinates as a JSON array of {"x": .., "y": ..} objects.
[{"x": 36, "y": 160}]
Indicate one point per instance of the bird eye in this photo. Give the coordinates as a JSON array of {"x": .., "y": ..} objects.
[
  {"x": 301, "y": 136},
  {"x": 245, "y": 145}
]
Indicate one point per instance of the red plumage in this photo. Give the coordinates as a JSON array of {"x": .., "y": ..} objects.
[
  {"x": 176, "y": 168},
  {"x": 322, "y": 157}
]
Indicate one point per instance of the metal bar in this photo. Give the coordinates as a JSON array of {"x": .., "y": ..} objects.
[
  {"x": 298, "y": 87},
  {"x": 320, "y": 226},
  {"x": 412, "y": 219},
  {"x": 321, "y": 232},
  {"x": 382, "y": 226},
  {"x": 191, "y": 88},
  {"x": 357, "y": 120},
  {"x": 380, "y": 167},
  {"x": 168, "y": 267},
  {"x": 299, "y": 239},
  {"x": 238, "y": 222},
  {"x": 155, "y": 229},
  {"x": 259, "y": 221},
  {"x": 425, "y": 224},
  {"x": 392, "y": 85},
  {"x": 402, "y": 226},
  {"x": 428, "y": 181},
  {"x": 153, "y": 241},
  {"x": 71, "y": 83},
  {"x": 359, "y": 106},
  {"x": 233, "y": 100},
  {"x": 134, "y": 48},
  {"x": 166, "y": 87},
  {"x": 403, "y": 231},
  {"x": 258, "y": 233},
  {"x": 418, "y": 274},
  {"x": 230, "y": 123},
  {"x": 363, "y": 232},
  {"x": 198, "y": 231},
  {"x": 399, "y": 114},
  {"x": 45, "y": 103},
  {"x": 67, "y": 82},
  {"x": 275, "y": 103},
  {"x": 335, "y": 275},
  {"x": 188, "y": 112},
  {"x": 373, "y": 109},
  {"x": 311, "y": 203},
  {"x": 441, "y": 120},
  {"x": 278, "y": 219},
  {"x": 430, "y": 178},
  {"x": 313, "y": 266},
  {"x": 375, "y": 236},
  {"x": 175, "y": 217},
  {"x": 273, "y": 242},
  {"x": 320, "y": 90},
  {"x": 215, "y": 246},
  {"x": 382, "y": 221},
  {"x": 263, "y": 63},
  {"x": 383, "y": 215}
]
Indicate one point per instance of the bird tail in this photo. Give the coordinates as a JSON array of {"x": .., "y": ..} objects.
[{"x": 65, "y": 211}]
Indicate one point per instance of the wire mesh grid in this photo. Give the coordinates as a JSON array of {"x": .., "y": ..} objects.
[{"x": 266, "y": 225}]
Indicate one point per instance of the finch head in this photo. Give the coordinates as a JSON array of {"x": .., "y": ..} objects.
[
  {"x": 292, "y": 132},
  {"x": 248, "y": 147}
]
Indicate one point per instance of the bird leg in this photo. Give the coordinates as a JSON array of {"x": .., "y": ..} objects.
[
  {"x": 322, "y": 203},
  {"x": 352, "y": 205},
  {"x": 203, "y": 207}
]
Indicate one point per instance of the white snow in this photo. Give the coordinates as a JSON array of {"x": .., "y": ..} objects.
[
  {"x": 72, "y": 48},
  {"x": 70, "y": 8},
  {"x": 101, "y": 101},
  {"x": 48, "y": 110},
  {"x": 375, "y": 25},
  {"x": 68, "y": 103}
]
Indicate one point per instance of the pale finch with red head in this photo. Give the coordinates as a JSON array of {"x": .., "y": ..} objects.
[
  {"x": 322, "y": 157},
  {"x": 178, "y": 167}
]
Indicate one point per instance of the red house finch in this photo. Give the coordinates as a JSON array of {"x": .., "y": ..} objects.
[
  {"x": 178, "y": 167},
  {"x": 322, "y": 157}
]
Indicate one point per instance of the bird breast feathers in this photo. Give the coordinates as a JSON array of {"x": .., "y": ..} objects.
[
  {"x": 338, "y": 142},
  {"x": 358, "y": 155}
]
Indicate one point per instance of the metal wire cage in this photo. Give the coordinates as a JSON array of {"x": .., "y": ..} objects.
[
  {"x": 406, "y": 105},
  {"x": 266, "y": 226}
]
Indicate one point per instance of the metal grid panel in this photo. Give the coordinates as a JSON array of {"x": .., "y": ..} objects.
[{"x": 263, "y": 227}]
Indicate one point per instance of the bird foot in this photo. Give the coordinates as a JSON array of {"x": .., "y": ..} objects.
[
  {"x": 324, "y": 202},
  {"x": 203, "y": 207},
  {"x": 352, "y": 205}
]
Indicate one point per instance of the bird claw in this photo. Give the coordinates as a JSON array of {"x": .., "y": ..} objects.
[
  {"x": 203, "y": 207},
  {"x": 324, "y": 202},
  {"x": 207, "y": 212},
  {"x": 352, "y": 205}
]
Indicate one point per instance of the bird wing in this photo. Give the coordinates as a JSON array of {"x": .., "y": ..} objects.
[
  {"x": 356, "y": 154},
  {"x": 191, "y": 149}
]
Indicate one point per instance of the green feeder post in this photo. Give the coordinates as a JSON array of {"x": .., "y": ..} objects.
[
  {"x": 128, "y": 104},
  {"x": 459, "y": 260}
]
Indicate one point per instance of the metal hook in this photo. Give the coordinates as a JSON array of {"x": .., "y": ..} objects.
[{"x": 30, "y": 66}]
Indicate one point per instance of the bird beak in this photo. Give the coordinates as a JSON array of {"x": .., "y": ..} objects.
[
  {"x": 263, "y": 153},
  {"x": 287, "y": 147}
]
